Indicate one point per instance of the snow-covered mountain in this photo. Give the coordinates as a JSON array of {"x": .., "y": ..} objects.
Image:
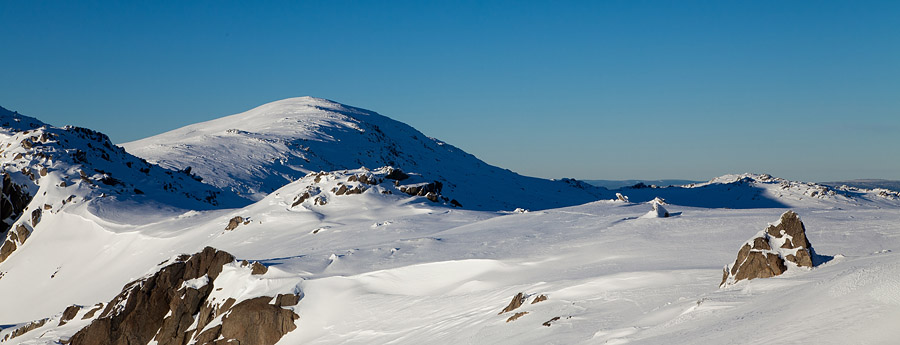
[
  {"x": 260, "y": 150},
  {"x": 46, "y": 169},
  {"x": 377, "y": 255}
]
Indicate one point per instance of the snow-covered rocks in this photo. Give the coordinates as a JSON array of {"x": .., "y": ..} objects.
[
  {"x": 194, "y": 300},
  {"x": 319, "y": 189},
  {"x": 45, "y": 169},
  {"x": 657, "y": 211},
  {"x": 772, "y": 251}
]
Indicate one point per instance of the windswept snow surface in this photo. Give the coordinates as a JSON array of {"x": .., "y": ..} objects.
[
  {"x": 377, "y": 268},
  {"x": 261, "y": 150}
]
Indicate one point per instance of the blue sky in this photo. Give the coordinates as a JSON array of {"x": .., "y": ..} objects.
[{"x": 806, "y": 90}]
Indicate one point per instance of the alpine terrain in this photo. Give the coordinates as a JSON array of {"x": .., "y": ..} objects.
[{"x": 305, "y": 221}]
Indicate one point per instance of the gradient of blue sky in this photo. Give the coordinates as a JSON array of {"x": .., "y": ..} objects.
[{"x": 806, "y": 90}]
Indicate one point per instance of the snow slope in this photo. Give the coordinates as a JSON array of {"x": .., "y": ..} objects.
[
  {"x": 260, "y": 150},
  {"x": 375, "y": 267},
  {"x": 379, "y": 258}
]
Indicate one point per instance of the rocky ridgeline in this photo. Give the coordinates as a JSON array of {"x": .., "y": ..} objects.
[
  {"x": 321, "y": 187},
  {"x": 771, "y": 252},
  {"x": 72, "y": 164},
  {"x": 182, "y": 303}
]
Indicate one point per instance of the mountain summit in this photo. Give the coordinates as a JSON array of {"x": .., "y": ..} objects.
[{"x": 258, "y": 151}]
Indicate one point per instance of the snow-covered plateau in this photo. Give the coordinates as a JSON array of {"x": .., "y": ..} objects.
[{"x": 305, "y": 221}]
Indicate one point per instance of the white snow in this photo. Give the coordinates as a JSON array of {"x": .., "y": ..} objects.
[{"x": 378, "y": 268}]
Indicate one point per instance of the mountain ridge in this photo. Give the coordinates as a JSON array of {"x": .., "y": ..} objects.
[{"x": 262, "y": 149}]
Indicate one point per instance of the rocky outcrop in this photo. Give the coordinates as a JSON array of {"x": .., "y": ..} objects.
[
  {"x": 14, "y": 238},
  {"x": 27, "y": 328},
  {"x": 13, "y": 201},
  {"x": 175, "y": 306},
  {"x": 233, "y": 223},
  {"x": 514, "y": 304},
  {"x": 68, "y": 314},
  {"x": 772, "y": 252},
  {"x": 516, "y": 316}
]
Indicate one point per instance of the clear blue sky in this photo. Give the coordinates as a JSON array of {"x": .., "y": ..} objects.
[{"x": 805, "y": 90}]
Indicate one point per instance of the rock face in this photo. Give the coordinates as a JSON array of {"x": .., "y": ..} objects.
[
  {"x": 514, "y": 304},
  {"x": 318, "y": 189},
  {"x": 175, "y": 306},
  {"x": 772, "y": 251}
]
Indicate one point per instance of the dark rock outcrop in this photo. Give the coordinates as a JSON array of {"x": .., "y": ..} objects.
[
  {"x": 514, "y": 304},
  {"x": 174, "y": 306},
  {"x": 396, "y": 175},
  {"x": 516, "y": 316},
  {"x": 772, "y": 251},
  {"x": 550, "y": 322},
  {"x": 234, "y": 222},
  {"x": 14, "y": 238},
  {"x": 27, "y": 328},
  {"x": 68, "y": 314}
]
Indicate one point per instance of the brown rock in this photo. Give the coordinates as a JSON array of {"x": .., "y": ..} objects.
[
  {"x": 762, "y": 261},
  {"x": 255, "y": 321},
  {"x": 35, "y": 217},
  {"x": 28, "y": 328},
  {"x": 158, "y": 308},
  {"x": 287, "y": 299},
  {"x": 516, "y": 302},
  {"x": 90, "y": 313},
  {"x": 397, "y": 175},
  {"x": 300, "y": 199},
  {"x": 539, "y": 299},
  {"x": 761, "y": 243},
  {"x": 69, "y": 314},
  {"x": 258, "y": 268},
  {"x": 516, "y": 316},
  {"x": 234, "y": 222},
  {"x": 549, "y": 322}
]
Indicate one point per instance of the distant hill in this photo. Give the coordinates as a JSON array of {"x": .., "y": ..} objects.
[
  {"x": 616, "y": 184},
  {"x": 864, "y": 183},
  {"x": 259, "y": 151}
]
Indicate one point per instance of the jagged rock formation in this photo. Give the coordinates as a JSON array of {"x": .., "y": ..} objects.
[
  {"x": 44, "y": 167},
  {"x": 177, "y": 305},
  {"x": 772, "y": 251},
  {"x": 26, "y": 328},
  {"x": 316, "y": 189},
  {"x": 514, "y": 304},
  {"x": 233, "y": 223}
]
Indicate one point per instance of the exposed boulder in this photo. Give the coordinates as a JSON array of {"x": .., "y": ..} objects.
[
  {"x": 516, "y": 316},
  {"x": 550, "y": 322},
  {"x": 175, "y": 306},
  {"x": 397, "y": 175},
  {"x": 14, "y": 199},
  {"x": 255, "y": 321},
  {"x": 514, "y": 304},
  {"x": 233, "y": 223},
  {"x": 68, "y": 314},
  {"x": 28, "y": 328},
  {"x": 14, "y": 238},
  {"x": 772, "y": 252}
]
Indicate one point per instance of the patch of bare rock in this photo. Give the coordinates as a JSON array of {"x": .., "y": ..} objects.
[
  {"x": 772, "y": 252},
  {"x": 167, "y": 309}
]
